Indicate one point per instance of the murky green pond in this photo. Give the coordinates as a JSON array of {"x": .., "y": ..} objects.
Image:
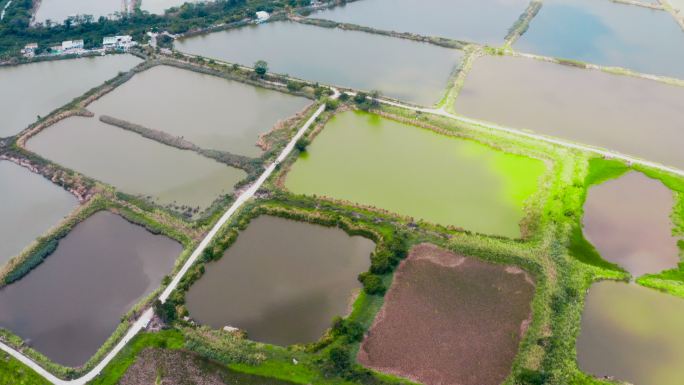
[
  {"x": 30, "y": 206},
  {"x": 407, "y": 70},
  {"x": 633, "y": 334},
  {"x": 134, "y": 164},
  {"x": 282, "y": 281},
  {"x": 607, "y": 33},
  {"x": 374, "y": 161},
  {"x": 59, "y": 10},
  {"x": 628, "y": 221},
  {"x": 210, "y": 112},
  {"x": 484, "y": 21},
  {"x": 72, "y": 302},
  {"x": 29, "y": 90},
  {"x": 634, "y": 116}
]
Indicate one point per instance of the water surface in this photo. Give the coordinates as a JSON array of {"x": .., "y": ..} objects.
[
  {"x": 633, "y": 334},
  {"x": 638, "y": 117},
  {"x": 282, "y": 281},
  {"x": 449, "y": 319},
  {"x": 59, "y": 10},
  {"x": 370, "y": 160},
  {"x": 30, "y": 206},
  {"x": 607, "y": 33},
  {"x": 408, "y": 70},
  {"x": 30, "y": 90},
  {"x": 208, "y": 111},
  {"x": 134, "y": 164},
  {"x": 72, "y": 302},
  {"x": 483, "y": 21},
  {"x": 628, "y": 221},
  {"x": 159, "y": 6}
]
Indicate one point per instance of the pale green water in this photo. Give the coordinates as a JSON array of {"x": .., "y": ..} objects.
[
  {"x": 407, "y": 70},
  {"x": 210, "y": 112},
  {"x": 59, "y": 10},
  {"x": 36, "y": 89},
  {"x": 367, "y": 159},
  {"x": 134, "y": 164},
  {"x": 483, "y": 21},
  {"x": 632, "y": 333},
  {"x": 30, "y": 205}
]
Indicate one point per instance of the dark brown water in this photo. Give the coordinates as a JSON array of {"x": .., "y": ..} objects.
[
  {"x": 633, "y": 334},
  {"x": 449, "y": 319},
  {"x": 282, "y": 281},
  {"x": 71, "y": 303},
  {"x": 628, "y": 221}
]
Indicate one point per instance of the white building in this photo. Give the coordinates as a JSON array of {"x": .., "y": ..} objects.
[
  {"x": 29, "y": 50},
  {"x": 123, "y": 42},
  {"x": 262, "y": 16},
  {"x": 72, "y": 45}
]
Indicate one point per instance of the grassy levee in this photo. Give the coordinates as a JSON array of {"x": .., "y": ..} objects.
[
  {"x": 13, "y": 372},
  {"x": 523, "y": 23}
]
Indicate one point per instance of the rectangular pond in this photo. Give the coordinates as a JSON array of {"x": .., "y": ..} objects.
[
  {"x": 632, "y": 334},
  {"x": 416, "y": 172},
  {"x": 31, "y": 205},
  {"x": 57, "y": 11},
  {"x": 403, "y": 69},
  {"x": 31, "y": 90},
  {"x": 134, "y": 164},
  {"x": 71, "y": 303},
  {"x": 209, "y": 111},
  {"x": 628, "y": 221},
  {"x": 637, "y": 117},
  {"x": 607, "y": 33},
  {"x": 282, "y": 281},
  {"x": 449, "y": 319},
  {"x": 484, "y": 21}
]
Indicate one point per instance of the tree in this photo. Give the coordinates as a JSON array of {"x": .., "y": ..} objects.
[
  {"x": 340, "y": 359},
  {"x": 165, "y": 311},
  {"x": 261, "y": 67},
  {"x": 302, "y": 144}
]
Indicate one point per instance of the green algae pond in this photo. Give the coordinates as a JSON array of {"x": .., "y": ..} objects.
[
  {"x": 632, "y": 334},
  {"x": 484, "y": 21},
  {"x": 638, "y": 117},
  {"x": 404, "y": 69},
  {"x": 282, "y": 281},
  {"x": 209, "y": 111},
  {"x": 31, "y": 90},
  {"x": 30, "y": 205},
  {"x": 370, "y": 160},
  {"x": 134, "y": 164}
]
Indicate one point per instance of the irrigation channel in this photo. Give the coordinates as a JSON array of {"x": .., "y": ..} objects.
[{"x": 146, "y": 317}]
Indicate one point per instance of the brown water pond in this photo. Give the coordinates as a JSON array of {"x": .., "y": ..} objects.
[
  {"x": 449, "y": 319},
  {"x": 634, "y": 116},
  {"x": 628, "y": 221},
  {"x": 209, "y": 111},
  {"x": 282, "y": 281},
  {"x": 632, "y": 334},
  {"x": 72, "y": 302}
]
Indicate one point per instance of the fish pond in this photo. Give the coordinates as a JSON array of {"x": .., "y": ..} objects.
[
  {"x": 209, "y": 111},
  {"x": 634, "y": 116},
  {"x": 403, "y": 69},
  {"x": 370, "y": 160},
  {"x": 159, "y": 6},
  {"x": 71, "y": 303},
  {"x": 485, "y": 21},
  {"x": 31, "y": 90},
  {"x": 628, "y": 221},
  {"x": 607, "y": 33},
  {"x": 282, "y": 281},
  {"x": 449, "y": 319},
  {"x": 632, "y": 334},
  {"x": 134, "y": 164},
  {"x": 31, "y": 205},
  {"x": 59, "y": 10}
]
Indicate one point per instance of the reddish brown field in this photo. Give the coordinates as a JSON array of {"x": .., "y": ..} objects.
[{"x": 449, "y": 319}]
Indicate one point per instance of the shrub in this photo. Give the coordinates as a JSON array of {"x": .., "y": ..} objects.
[
  {"x": 372, "y": 284},
  {"x": 350, "y": 329},
  {"x": 340, "y": 358},
  {"x": 302, "y": 144}
]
